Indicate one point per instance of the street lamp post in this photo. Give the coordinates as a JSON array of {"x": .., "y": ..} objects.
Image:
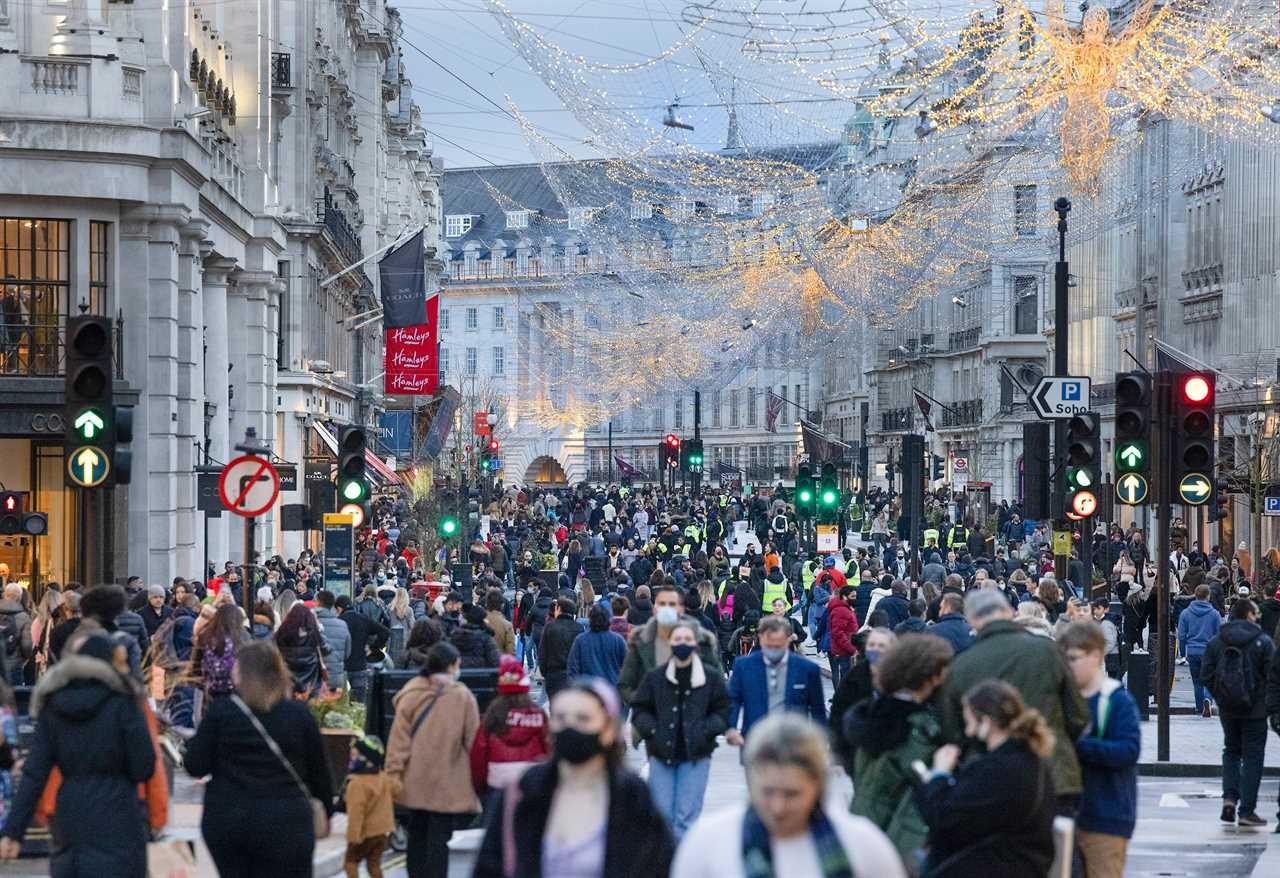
[{"x": 1061, "y": 280}]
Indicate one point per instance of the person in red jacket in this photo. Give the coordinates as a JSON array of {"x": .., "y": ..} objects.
[
  {"x": 842, "y": 623},
  {"x": 831, "y": 576},
  {"x": 513, "y": 733}
]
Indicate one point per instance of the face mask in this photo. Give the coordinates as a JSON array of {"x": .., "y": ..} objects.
[
  {"x": 576, "y": 747},
  {"x": 683, "y": 650},
  {"x": 773, "y": 656},
  {"x": 382, "y": 577},
  {"x": 667, "y": 615},
  {"x": 873, "y": 656}
]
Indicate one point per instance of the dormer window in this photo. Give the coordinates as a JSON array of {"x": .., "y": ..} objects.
[
  {"x": 580, "y": 216},
  {"x": 518, "y": 219},
  {"x": 458, "y": 224}
]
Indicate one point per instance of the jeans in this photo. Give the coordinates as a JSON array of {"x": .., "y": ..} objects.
[
  {"x": 839, "y": 667},
  {"x": 1194, "y": 662},
  {"x": 427, "y": 855},
  {"x": 677, "y": 791},
  {"x": 1244, "y": 742},
  {"x": 359, "y": 683}
]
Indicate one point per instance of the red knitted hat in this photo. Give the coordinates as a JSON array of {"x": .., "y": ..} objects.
[{"x": 511, "y": 676}]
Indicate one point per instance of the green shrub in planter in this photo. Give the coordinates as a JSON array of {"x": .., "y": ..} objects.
[{"x": 338, "y": 713}]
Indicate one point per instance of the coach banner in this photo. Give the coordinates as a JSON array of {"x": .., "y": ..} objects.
[
  {"x": 404, "y": 285},
  {"x": 411, "y": 357}
]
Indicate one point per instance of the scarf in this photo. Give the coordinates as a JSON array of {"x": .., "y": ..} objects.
[{"x": 757, "y": 858}]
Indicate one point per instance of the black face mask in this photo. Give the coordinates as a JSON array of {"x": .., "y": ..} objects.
[{"x": 577, "y": 747}]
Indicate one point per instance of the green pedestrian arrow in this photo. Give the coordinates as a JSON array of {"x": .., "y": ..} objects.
[
  {"x": 1131, "y": 455},
  {"x": 88, "y": 423}
]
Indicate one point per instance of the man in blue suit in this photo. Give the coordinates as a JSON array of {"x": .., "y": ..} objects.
[{"x": 773, "y": 678}]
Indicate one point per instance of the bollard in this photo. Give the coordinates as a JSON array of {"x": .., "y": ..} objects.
[{"x": 1137, "y": 679}]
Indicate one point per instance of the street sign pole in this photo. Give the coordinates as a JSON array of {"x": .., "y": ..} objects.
[
  {"x": 1164, "y": 498},
  {"x": 1061, "y": 318}
]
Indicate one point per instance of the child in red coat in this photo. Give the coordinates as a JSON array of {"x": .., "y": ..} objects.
[{"x": 513, "y": 733}]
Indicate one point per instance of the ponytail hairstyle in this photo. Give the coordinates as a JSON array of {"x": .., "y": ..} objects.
[{"x": 1001, "y": 703}]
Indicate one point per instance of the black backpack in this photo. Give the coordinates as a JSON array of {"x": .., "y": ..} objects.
[
  {"x": 9, "y": 635},
  {"x": 1233, "y": 679}
]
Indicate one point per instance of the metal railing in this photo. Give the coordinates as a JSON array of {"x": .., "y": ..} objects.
[
  {"x": 959, "y": 414},
  {"x": 37, "y": 348},
  {"x": 339, "y": 228},
  {"x": 281, "y": 70},
  {"x": 895, "y": 420}
]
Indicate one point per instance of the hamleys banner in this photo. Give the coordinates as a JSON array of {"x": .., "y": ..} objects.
[{"x": 411, "y": 358}]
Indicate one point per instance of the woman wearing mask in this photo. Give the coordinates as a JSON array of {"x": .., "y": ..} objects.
[
  {"x": 257, "y": 817},
  {"x": 856, "y": 686},
  {"x": 583, "y": 814},
  {"x": 994, "y": 816},
  {"x": 893, "y": 730},
  {"x": 788, "y": 827},
  {"x": 678, "y": 711},
  {"x": 436, "y": 719}
]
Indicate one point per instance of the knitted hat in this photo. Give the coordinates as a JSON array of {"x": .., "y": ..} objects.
[
  {"x": 511, "y": 676},
  {"x": 370, "y": 747}
]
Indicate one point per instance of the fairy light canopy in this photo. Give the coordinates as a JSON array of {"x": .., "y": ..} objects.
[{"x": 821, "y": 167}]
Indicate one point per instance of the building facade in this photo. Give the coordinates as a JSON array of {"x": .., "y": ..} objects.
[
  {"x": 512, "y": 249},
  {"x": 195, "y": 176}
]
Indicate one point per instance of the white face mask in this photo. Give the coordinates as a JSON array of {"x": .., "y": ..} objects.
[{"x": 667, "y": 615}]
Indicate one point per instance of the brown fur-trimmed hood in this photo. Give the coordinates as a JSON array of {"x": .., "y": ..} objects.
[{"x": 79, "y": 685}]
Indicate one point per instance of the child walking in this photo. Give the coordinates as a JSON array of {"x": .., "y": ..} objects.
[{"x": 369, "y": 808}]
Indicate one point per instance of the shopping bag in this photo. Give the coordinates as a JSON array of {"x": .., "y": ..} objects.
[{"x": 171, "y": 859}]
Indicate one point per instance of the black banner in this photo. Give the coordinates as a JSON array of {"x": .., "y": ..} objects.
[
  {"x": 207, "y": 499},
  {"x": 404, "y": 286},
  {"x": 288, "y": 476}
]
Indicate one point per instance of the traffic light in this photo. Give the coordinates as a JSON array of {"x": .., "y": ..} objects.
[
  {"x": 691, "y": 456},
  {"x": 806, "y": 492},
  {"x": 912, "y": 468},
  {"x": 1133, "y": 437},
  {"x": 1192, "y": 459},
  {"x": 490, "y": 461},
  {"x": 828, "y": 492},
  {"x": 353, "y": 486},
  {"x": 15, "y": 520},
  {"x": 1220, "y": 502},
  {"x": 447, "y": 528},
  {"x": 89, "y": 439},
  {"x": 1035, "y": 470},
  {"x": 671, "y": 450},
  {"x": 938, "y": 469},
  {"x": 1083, "y": 464}
]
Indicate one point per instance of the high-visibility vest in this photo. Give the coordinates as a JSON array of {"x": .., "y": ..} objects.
[
  {"x": 691, "y": 533},
  {"x": 958, "y": 537},
  {"x": 773, "y": 591},
  {"x": 808, "y": 575},
  {"x": 931, "y": 533}
]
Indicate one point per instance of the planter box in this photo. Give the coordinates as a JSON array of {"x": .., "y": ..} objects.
[{"x": 337, "y": 751}]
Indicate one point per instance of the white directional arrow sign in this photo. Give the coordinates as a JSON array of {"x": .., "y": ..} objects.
[
  {"x": 88, "y": 423},
  {"x": 1060, "y": 397},
  {"x": 88, "y": 466},
  {"x": 1194, "y": 489},
  {"x": 1132, "y": 489}
]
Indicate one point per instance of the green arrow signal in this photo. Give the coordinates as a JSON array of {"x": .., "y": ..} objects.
[
  {"x": 1131, "y": 455},
  {"x": 88, "y": 422}
]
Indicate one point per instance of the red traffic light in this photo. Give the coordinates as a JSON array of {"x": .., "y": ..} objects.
[
  {"x": 10, "y": 502},
  {"x": 673, "y": 440},
  {"x": 1196, "y": 389},
  {"x": 494, "y": 445}
]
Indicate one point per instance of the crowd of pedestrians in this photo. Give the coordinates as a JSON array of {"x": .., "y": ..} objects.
[{"x": 975, "y": 709}]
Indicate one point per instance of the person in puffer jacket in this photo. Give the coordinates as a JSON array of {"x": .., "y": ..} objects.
[{"x": 513, "y": 733}]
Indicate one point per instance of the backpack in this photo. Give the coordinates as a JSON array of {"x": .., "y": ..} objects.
[
  {"x": 10, "y": 640},
  {"x": 216, "y": 670},
  {"x": 1233, "y": 679}
]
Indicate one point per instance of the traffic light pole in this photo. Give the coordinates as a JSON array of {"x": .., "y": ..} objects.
[
  {"x": 696, "y": 475},
  {"x": 1164, "y": 498},
  {"x": 1061, "y": 277}
]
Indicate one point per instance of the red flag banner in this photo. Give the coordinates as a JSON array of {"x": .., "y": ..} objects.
[
  {"x": 925, "y": 407},
  {"x": 411, "y": 359},
  {"x": 772, "y": 408}
]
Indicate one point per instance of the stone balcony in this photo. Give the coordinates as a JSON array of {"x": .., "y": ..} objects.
[{"x": 61, "y": 87}]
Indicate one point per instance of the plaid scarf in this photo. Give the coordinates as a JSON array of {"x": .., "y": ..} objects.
[{"x": 757, "y": 858}]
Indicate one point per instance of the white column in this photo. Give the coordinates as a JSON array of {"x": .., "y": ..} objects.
[
  {"x": 250, "y": 309},
  {"x": 149, "y": 250},
  {"x": 190, "y": 396},
  {"x": 216, "y": 381}
]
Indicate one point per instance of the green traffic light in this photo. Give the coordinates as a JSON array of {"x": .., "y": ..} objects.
[
  {"x": 1131, "y": 455},
  {"x": 805, "y": 496},
  {"x": 829, "y": 498},
  {"x": 89, "y": 424},
  {"x": 448, "y": 527},
  {"x": 352, "y": 490}
]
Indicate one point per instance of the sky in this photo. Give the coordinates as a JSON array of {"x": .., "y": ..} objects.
[{"x": 471, "y": 68}]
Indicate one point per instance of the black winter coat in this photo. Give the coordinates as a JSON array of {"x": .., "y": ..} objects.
[
  {"x": 994, "y": 818},
  {"x": 90, "y": 725},
  {"x": 540, "y": 614},
  {"x": 557, "y": 640},
  {"x": 701, "y": 708},
  {"x": 637, "y": 842},
  {"x": 476, "y": 646},
  {"x": 367, "y": 636}
]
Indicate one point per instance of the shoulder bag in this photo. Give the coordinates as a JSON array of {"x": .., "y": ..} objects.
[{"x": 319, "y": 814}]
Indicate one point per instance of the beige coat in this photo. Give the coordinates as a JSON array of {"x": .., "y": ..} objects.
[
  {"x": 434, "y": 768},
  {"x": 503, "y": 633}
]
